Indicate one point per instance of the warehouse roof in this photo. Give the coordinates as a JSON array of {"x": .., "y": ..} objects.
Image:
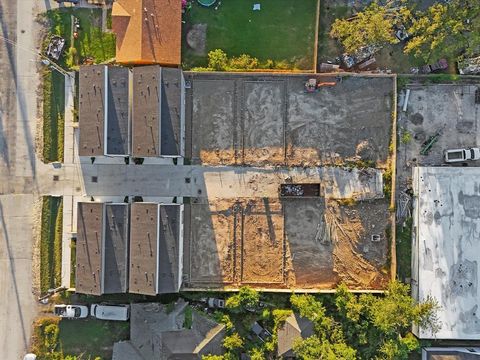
[{"x": 446, "y": 249}]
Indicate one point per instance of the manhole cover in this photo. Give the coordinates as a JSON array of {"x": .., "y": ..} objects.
[
  {"x": 420, "y": 136},
  {"x": 417, "y": 119},
  {"x": 56, "y": 177}
]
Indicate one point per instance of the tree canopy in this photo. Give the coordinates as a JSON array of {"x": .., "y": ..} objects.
[
  {"x": 450, "y": 29},
  {"x": 365, "y": 326},
  {"x": 246, "y": 298},
  {"x": 372, "y": 27}
]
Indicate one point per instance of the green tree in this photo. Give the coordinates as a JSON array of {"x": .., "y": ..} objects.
[
  {"x": 398, "y": 349},
  {"x": 212, "y": 357},
  {"x": 217, "y": 60},
  {"x": 308, "y": 306},
  {"x": 246, "y": 298},
  {"x": 256, "y": 354},
  {"x": 447, "y": 30},
  {"x": 395, "y": 312},
  {"x": 313, "y": 348},
  {"x": 232, "y": 342},
  {"x": 372, "y": 27},
  {"x": 51, "y": 336},
  {"x": 351, "y": 313},
  {"x": 225, "y": 320}
]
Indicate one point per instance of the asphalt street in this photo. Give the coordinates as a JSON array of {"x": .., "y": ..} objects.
[{"x": 20, "y": 172}]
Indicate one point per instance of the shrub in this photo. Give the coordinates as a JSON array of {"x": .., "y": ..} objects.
[
  {"x": 232, "y": 342},
  {"x": 269, "y": 64},
  {"x": 71, "y": 57},
  {"x": 406, "y": 137},
  {"x": 217, "y": 60},
  {"x": 243, "y": 62},
  {"x": 282, "y": 65}
]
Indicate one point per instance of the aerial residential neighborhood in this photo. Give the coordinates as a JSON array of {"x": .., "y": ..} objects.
[{"x": 239, "y": 179}]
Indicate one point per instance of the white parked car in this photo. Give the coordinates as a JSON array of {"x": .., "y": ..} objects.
[
  {"x": 30, "y": 357},
  {"x": 71, "y": 311},
  {"x": 458, "y": 155},
  {"x": 110, "y": 312}
]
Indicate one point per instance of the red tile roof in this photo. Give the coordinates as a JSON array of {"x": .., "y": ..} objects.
[{"x": 148, "y": 31}]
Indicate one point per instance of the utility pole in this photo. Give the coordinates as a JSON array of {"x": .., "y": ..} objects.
[{"x": 45, "y": 60}]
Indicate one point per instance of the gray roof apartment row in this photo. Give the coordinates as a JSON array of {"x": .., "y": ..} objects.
[
  {"x": 172, "y": 100},
  {"x": 156, "y": 111},
  {"x": 101, "y": 257},
  {"x": 117, "y": 252},
  {"x": 146, "y": 111},
  {"x": 154, "y": 248},
  {"x": 144, "y": 249},
  {"x": 116, "y": 248},
  {"x": 154, "y": 96},
  {"x": 92, "y": 110},
  {"x": 89, "y": 248},
  {"x": 118, "y": 116}
]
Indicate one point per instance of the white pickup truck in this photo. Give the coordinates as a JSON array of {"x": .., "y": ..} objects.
[
  {"x": 71, "y": 311},
  {"x": 458, "y": 155}
]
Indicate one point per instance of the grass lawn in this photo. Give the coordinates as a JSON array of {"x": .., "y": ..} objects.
[
  {"x": 91, "y": 41},
  {"x": 53, "y": 115},
  {"x": 404, "y": 250},
  {"x": 329, "y": 49},
  {"x": 91, "y": 337},
  {"x": 51, "y": 243},
  {"x": 283, "y": 30}
]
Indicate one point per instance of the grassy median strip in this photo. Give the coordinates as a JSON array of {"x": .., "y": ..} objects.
[
  {"x": 53, "y": 115},
  {"x": 404, "y": 250},
  {"x": 51, "y": 243},
  {"x": 73, "y": 262}
]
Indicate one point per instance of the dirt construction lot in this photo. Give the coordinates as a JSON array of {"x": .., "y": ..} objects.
[
  {"x": 239, "y": 119},
  {"x": 303, "y": 243},
  {"x": 448, "y": 110}
]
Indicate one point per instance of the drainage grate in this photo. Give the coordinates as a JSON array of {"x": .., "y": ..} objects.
[
  {"x": 56, "y": 177},
  {"x": 187, "y": 180},
  {"x": 94, "y": 179},
  {"x": 376, "y": 238}
]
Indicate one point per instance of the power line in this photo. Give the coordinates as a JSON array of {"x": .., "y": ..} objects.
[{"x": 39, "y": 54}]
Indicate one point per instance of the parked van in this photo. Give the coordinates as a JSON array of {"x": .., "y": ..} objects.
[{"x": 110, "y": 312}]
